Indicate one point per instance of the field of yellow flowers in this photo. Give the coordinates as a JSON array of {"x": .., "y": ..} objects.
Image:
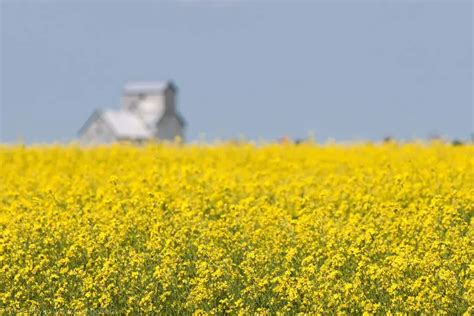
[{"x": 237, "y": 229}]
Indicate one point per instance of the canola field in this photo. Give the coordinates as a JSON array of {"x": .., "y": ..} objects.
[{"x": 237, "y": 229}]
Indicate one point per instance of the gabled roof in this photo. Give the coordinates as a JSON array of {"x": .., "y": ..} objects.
[
  {"x": 153, "y": 87},
  {"x": 89, "y": 121},
  {"x": 126, "y": 125}
]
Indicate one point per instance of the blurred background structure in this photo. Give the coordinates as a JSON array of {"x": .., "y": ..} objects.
[
  {"x": 344, "y": 70},
  {"x": 148, "y": 113}
]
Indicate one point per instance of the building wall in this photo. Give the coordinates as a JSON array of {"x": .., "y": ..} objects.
[
  {"x": 97, "y": 133},
  {"x": 150, "y": 107},
  {"x": 169, "y": 128},
  {"x": 170, "y": 101}
]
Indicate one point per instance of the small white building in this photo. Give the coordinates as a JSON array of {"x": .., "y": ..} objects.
[{"x": 148, "y": 113}]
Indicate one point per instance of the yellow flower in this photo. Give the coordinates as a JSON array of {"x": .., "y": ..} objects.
[{"x": 237, "y": 229}]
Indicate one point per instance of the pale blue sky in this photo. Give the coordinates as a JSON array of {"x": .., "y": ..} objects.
[{"x": 342, "y": 69}]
